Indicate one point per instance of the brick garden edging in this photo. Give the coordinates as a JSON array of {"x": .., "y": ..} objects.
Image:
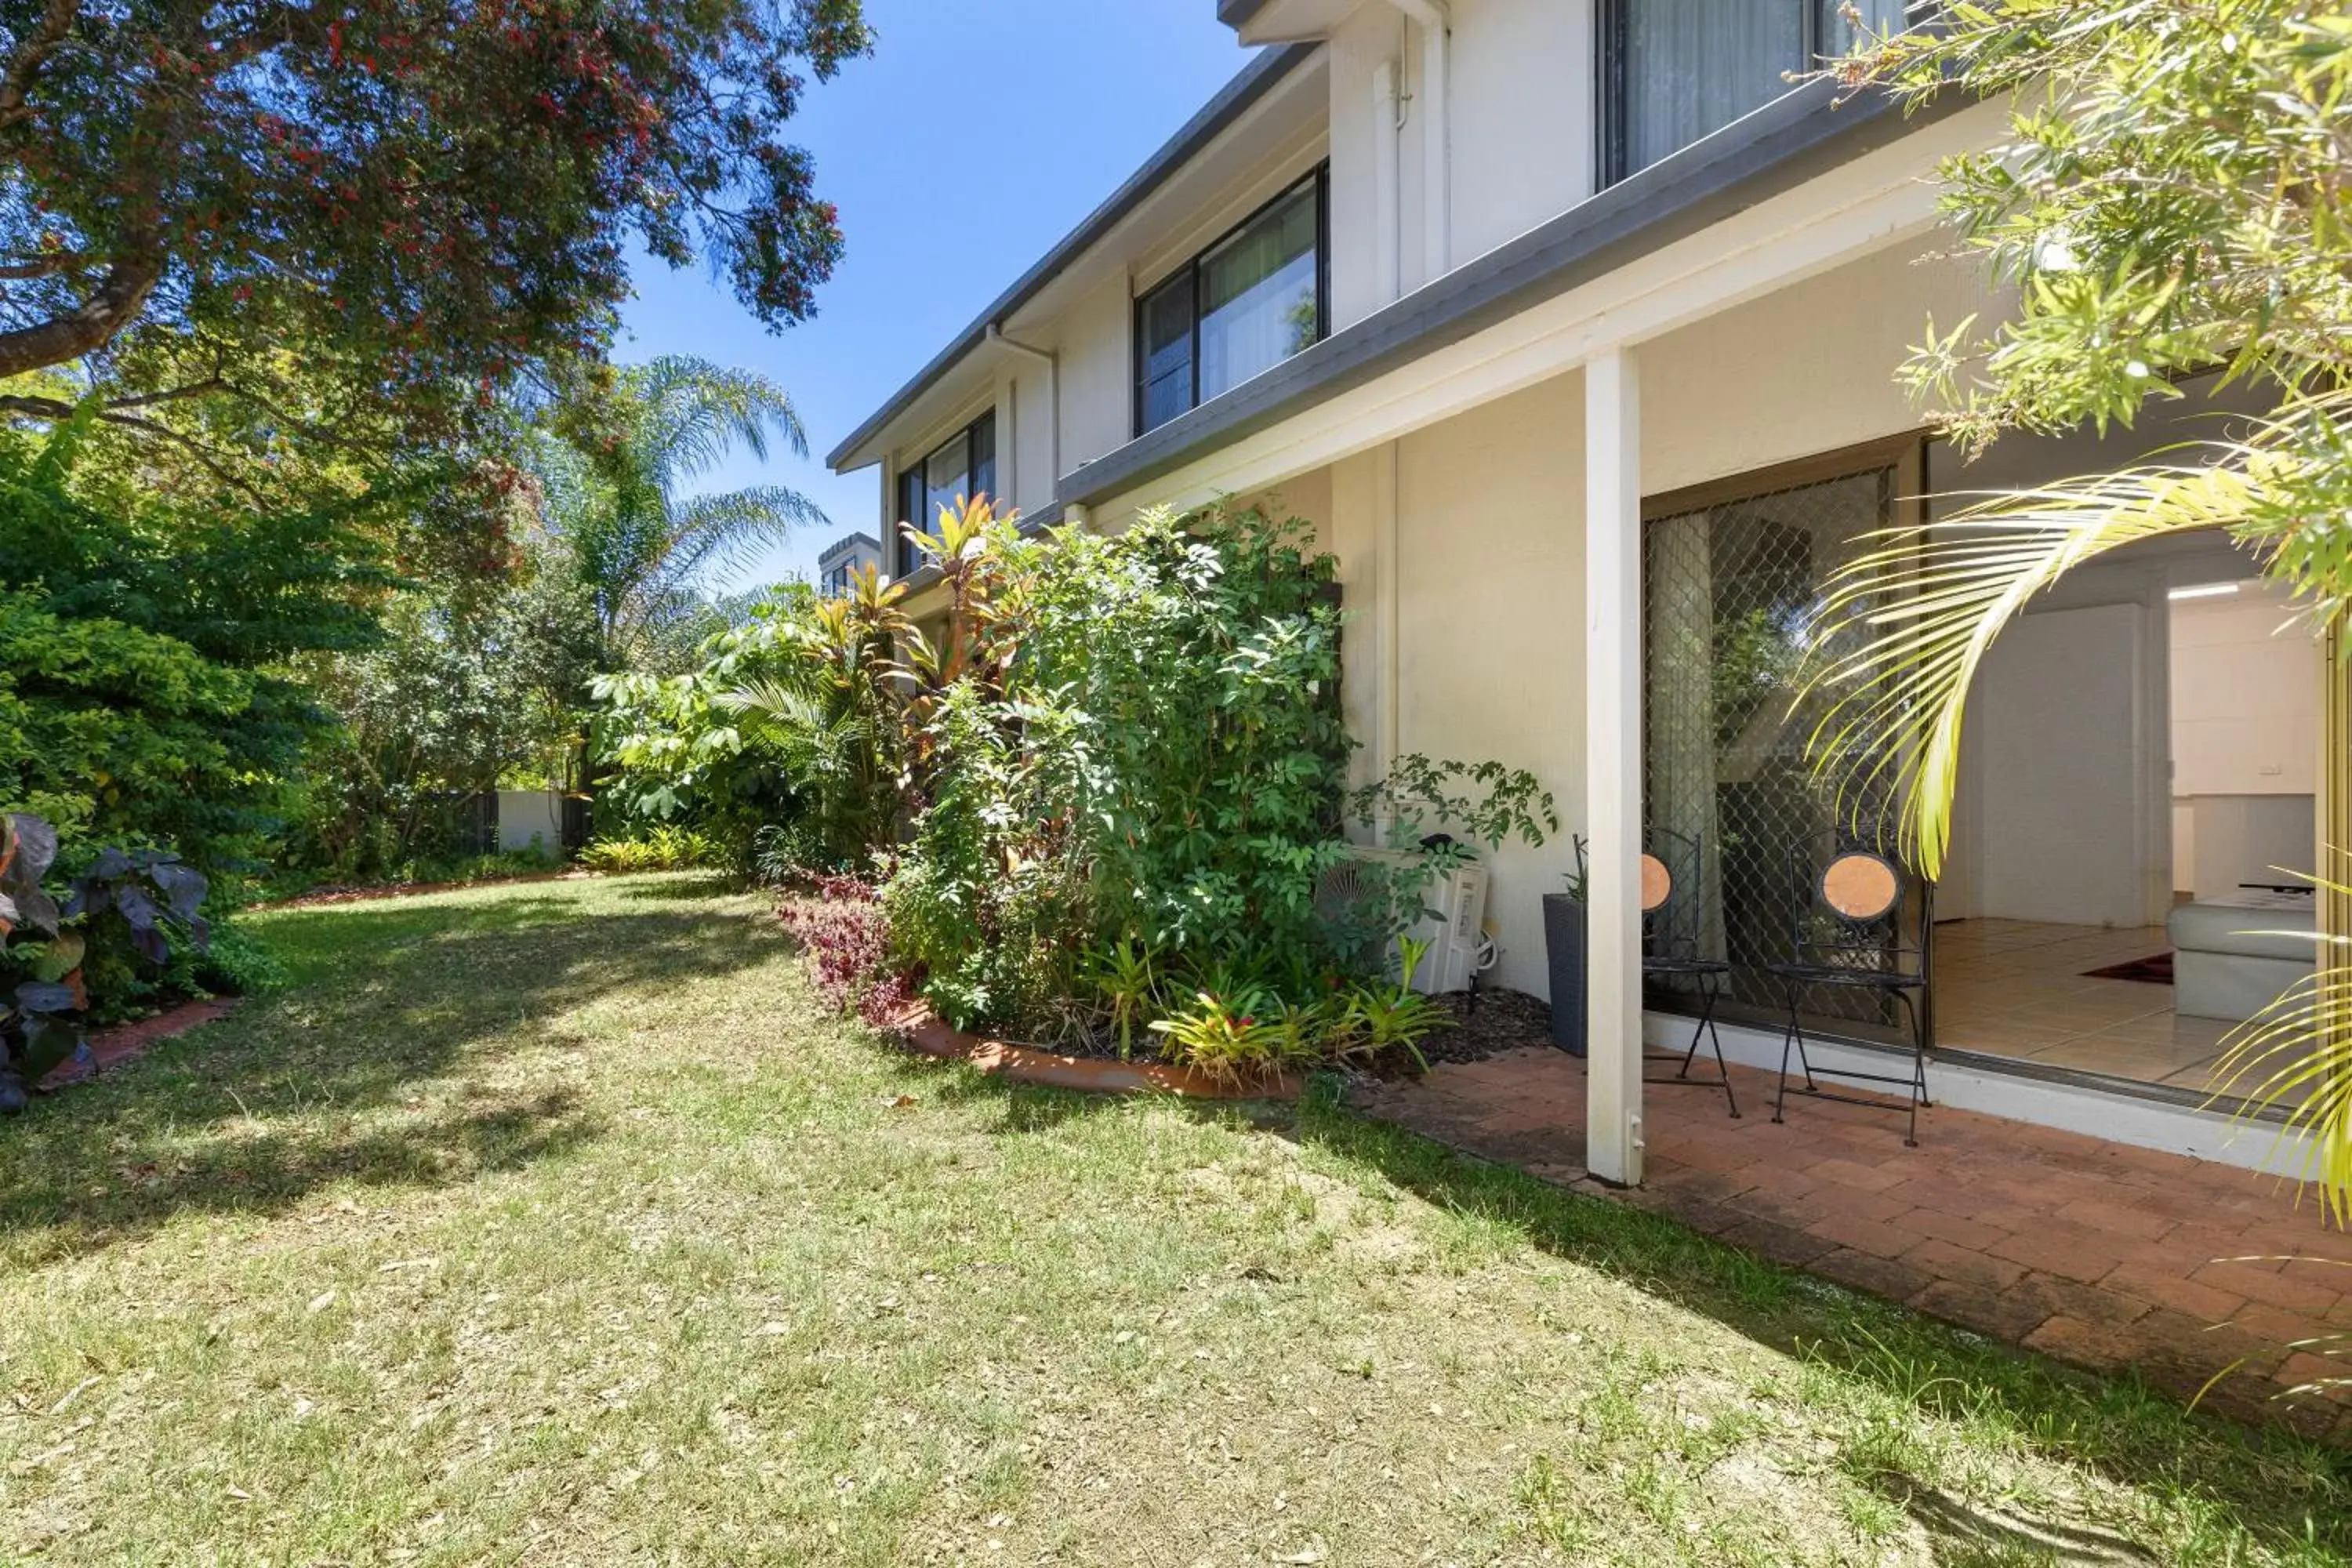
[
  {"x": 127, "y": 1042},
  {"x": 924, "y": 1032}
]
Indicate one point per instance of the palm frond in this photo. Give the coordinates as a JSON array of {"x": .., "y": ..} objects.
[
  {"x": 721, "y": 530},
  {"x": 1903, "y": 630},
  {"x": 697, "y": 412},
  {"x": 2295, "y": 1055}
]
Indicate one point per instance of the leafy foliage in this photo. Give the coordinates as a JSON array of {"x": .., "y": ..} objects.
[
  {"x": 61, "y": 963},
  {"x": 463, "y": 693},
  {"x": 144, "y": 693},
  {"x": 1115, "y": 767},
  {"x": 617, "y": 467},
  {"x": 2170, "y": 201},
  {"x": 431, "y": 200},
  {"x": 664, "y": 849},
  {"x": 38, "y": 1024}
]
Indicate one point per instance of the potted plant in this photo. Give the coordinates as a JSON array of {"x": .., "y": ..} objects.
[{"x": 1566, "y": 927}]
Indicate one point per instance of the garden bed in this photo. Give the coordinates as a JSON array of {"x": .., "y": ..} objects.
[
  {"x": 124, "y": 1042},
  {"x": 1487, "y": 1023},
  {"x": 321, "y": 897},
  {"x": 924, "y": 1032}
]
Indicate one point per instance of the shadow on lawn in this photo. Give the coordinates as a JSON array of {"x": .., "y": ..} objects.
[
  {"x": 2283, "y": 1491},
  {"x": 324, "y": 1084},
  {"x": 2286, "y": 1493}
]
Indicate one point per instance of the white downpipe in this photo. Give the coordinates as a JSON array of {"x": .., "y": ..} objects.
[
  {"x": 1388, "y": 180},
  {"x": 1613, "y": 762},
  {"x": 1435, "y": 19},
  {"x": 1053, "y": 363}
]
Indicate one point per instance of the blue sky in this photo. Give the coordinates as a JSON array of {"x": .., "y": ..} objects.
[{"x": 978, "y": 134}]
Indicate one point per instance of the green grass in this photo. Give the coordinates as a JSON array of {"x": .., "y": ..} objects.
[{"x": 552, "y": 1224}]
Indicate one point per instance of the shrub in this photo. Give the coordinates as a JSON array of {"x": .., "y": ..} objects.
[
  {"x": 658, "y": 850},
  {"x": 840, "y": 924},
  {"x": 144, "y": 649}
]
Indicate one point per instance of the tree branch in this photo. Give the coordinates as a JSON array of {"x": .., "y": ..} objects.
[
  {"x": 122, "y": 293},
  {"x": 47, "y": 266},
  {"x": 16, "y": 82}
]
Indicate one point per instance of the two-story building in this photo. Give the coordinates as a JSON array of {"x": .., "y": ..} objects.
[
  {"x": 845, "y": 560},
  {"x": 1573, "y": 327}
]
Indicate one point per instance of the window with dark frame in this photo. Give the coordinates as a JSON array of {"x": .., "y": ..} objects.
[
  {"x": 1259, "y": 295},
  {"x": 960, "y": 469},
  {"x": 1675, "y": 70}
]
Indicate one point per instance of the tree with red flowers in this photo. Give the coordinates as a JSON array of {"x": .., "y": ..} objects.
[{"x": 235, "y": 224}]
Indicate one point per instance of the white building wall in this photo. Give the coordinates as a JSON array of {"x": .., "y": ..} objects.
[
  {"x": 1489, "y": 541},
  {"x": 1523, "y": 117},
  {"x": 1521, "y": 131},
  {"x": 1097, "y": 391}
]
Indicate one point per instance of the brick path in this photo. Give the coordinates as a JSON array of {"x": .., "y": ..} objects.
[{"x": 2095, "y": 1253}]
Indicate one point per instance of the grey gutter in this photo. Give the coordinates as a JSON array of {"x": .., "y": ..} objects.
[
  {"x": 1795, "y": 138},
  {"x": 1238, "y": 14},
  {"x": 1261, "y": 76}
]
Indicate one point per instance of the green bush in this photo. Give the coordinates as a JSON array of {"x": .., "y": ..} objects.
[
  {"x": 144, "y": 696},
  {"x": 658, "y": 850}
]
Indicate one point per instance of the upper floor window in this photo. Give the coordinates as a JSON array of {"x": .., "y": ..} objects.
[
  {"x": 1242, "y": 306},
  {"x": 1676, "y": 69},
  {"x": 960, "y": 469},
  {"x": 837, "y": 580}
]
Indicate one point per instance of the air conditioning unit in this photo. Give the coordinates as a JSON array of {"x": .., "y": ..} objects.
[{"x": 1452, "y": 923}]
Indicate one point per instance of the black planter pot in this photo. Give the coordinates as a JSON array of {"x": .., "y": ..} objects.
[{"x": 1566, "y": 923}]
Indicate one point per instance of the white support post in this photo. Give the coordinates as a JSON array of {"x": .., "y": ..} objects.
[{"x": 1613, "y": 762}]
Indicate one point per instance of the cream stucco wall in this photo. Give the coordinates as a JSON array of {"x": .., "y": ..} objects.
[
  {"x": 1807, "y": 369},
  {"x": 1489, "y": 531},
  {"x": 1521, "y": 86},
  {"x": 1097, "y": 391}
]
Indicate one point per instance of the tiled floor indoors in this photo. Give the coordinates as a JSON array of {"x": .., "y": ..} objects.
[
  {"x": 2096, "y": 1252},
  {"x": 2020, "y": 988}
]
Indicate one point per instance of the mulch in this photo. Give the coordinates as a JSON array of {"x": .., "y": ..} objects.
[
  {"x": 323, "y": 895},
  {"x": 1489, "y": 1023},
  {"x": 1485, "y": 1024}
]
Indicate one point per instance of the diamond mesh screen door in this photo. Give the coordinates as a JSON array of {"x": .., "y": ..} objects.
[{"x": 1729, "y": 590}]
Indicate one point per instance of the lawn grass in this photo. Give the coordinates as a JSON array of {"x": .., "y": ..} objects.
[{"x": 552, "y": 1224}]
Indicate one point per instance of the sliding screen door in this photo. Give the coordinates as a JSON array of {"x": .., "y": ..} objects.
[{"x": 1730, "y": 592}]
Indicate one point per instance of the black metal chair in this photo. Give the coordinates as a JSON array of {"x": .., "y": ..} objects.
[
  {"x": 1862, "y": 924},
  {"x": 1672, "y": 909},
  {"x": 1673, "y": 905}
]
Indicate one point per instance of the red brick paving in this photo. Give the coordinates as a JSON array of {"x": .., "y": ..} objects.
[{"x": 2099, "y": 1254}]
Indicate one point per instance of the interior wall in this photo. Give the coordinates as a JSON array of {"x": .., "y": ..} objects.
[
  {"x": 2245, "y": 740},
  {"x": 2062, "y": 731},
  {"x": 2140, "y": 577}
]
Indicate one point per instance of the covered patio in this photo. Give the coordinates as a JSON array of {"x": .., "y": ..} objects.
[{"x": 2114, "y": 1257}]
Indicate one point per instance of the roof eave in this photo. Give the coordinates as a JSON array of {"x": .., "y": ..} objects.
[{"x": 1777, "y": 148}]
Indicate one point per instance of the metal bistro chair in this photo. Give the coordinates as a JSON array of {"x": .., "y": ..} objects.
[
  {"x": 1850, "y": 932},
  {"x": 1670, "y": 911},
  {"x": 1673, "y": 905}
]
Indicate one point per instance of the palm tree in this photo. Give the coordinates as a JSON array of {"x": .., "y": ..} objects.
[{"x": 617, "y": 484}]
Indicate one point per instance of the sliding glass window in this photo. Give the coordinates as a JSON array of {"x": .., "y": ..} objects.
[
  {"x": 1678, "y": 70},
  {"x": 958, "y": 468},
  {"x": 1240, "y": 308}
]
